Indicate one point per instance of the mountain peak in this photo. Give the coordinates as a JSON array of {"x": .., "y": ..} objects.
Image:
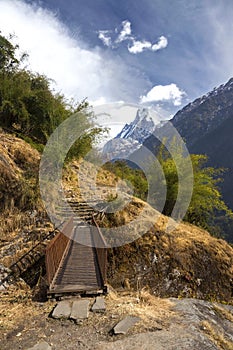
[
  {"x": 140, "y": 128},
  {"x": 131, "y": 136}
]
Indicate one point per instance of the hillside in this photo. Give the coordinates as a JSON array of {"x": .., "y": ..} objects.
[
  {"x": 187, "y": 261},
  {"x": 142, "y": 275},
  {"x": 23, "y": 220}
]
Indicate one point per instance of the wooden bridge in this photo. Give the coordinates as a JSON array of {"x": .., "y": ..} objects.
[{"x": 76, "y": 259}]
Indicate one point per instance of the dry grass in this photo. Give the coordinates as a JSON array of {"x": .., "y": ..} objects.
[
  {"x": 216, "y": 336},
  {"x": 184, "y": 262},
  {"x": 152, "y": 311},
  {"x": 224, "y": 313},
  {"x": 17, "y": 308},
  {"x": 82, "y": 177}
]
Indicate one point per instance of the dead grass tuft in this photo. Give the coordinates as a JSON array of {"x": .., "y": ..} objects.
[
  {"x": 17, "y": 308},
  {"x": 216, "y": 336},
  {"x": 225, "y": 314},
  {"x": 152, "y": 311}
]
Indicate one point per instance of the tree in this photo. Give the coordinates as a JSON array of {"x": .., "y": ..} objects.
[
  {"x": 206, "y": 198},
  {"x": 29, "y": 108},
  {"x": 7, "y": 54},
  {"x": 135, "y": 177}
]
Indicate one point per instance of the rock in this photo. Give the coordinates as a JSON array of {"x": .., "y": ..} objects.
[
  {"x": 99, "y": 305},
  {"x": 123, "y": 326},
  {"x": 3, "y": 287},
  {"x": 80, "y": 310},
  {"x": 62, "y": 310},
  {"x": 41, "y": 346}
]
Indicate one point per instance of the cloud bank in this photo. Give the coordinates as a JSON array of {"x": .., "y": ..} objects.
[
  {"x": 125, "y": 34},
  {"x": 77, "y": 70},
  {"x": 168, "y": 93}
]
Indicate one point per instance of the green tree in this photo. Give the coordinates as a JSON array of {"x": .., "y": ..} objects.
[
  {"x": 135, "y": 177},
  {"x": 206, "y": 198},
  {"x": 7, "y": 54},
  {"x": 29, "y": 108}
]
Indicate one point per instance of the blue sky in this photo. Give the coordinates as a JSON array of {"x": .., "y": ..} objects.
[{"x": 163, "y": 53}]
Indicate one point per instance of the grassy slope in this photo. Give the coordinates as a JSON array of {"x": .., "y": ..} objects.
[
  {"x": 184, "y": 262},
  {"x": 21, "y": 214}
]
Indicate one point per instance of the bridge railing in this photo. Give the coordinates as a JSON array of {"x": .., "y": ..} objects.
[
  {"x": 20, "y": 265},
  {"x": 56, "y": 248},
  {"x": 101, "y": 249}
]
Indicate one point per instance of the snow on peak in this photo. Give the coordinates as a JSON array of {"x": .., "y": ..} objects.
[
  {"x": 131, "y": 136},
  {"x": 140, "y": 128}
]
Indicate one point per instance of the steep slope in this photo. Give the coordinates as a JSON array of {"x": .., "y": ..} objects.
[
  {"x": 205, "y": 114},
  {"x": 185, "y": 262},
  {"x": 19, "y": 164},
  {"x": 22, "y": 217}
]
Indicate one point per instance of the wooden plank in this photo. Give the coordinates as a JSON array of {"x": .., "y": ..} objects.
[
  {"x": 74, "y": 289},
  {"x": 79, "y": 268}
]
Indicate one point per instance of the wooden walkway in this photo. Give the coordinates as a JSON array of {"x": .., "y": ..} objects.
[
  {"x": 79, "y": 269},
  {"x": 76, "y": 259}
]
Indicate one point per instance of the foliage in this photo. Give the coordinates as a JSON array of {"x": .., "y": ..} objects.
[
  {"x": 7, "y": 54},
  {"x": 206, "y": 198},
  {"x": 135, "y": 177},
  {"x": 30, "y": 109}
]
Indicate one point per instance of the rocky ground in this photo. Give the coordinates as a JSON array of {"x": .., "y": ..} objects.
[{"x": 169, "y": 324}]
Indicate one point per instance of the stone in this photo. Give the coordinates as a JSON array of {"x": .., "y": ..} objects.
[
  {"x": 41, "y": 346},
  {"x": 80, "y": 310},
  {"x": 99, "y": 305},
  {"x": 2, "y": 287},
  {"x": 123, "y": 326},
  {"x": 62, "y": 310}
]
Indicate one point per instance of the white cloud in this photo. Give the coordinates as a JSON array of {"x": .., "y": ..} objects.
[
  {"x": 139, "y": 46},
  {"x": 125, "y": 32},
  {"x": 135, "y": 46},
  {"x": 78, "y": 72},
  {"x": 169, "y": 93},
  {"x": 106, "y": 39},
  {"x": 162, "y": 44}
]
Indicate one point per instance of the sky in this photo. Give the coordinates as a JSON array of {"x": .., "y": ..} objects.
[{"x": 161, "y": 54}]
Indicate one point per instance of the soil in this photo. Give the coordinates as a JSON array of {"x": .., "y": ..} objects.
[{"x": 165, "y": 324}]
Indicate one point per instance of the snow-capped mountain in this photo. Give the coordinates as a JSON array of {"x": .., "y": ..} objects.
[
  {"x": 131, "y": 136},
  {"x": 205, "y": 114},
  {"x": 140, "y": 128}
]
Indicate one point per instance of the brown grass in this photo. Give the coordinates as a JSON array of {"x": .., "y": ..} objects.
[
  {"x": 17, "y": 307},
  {"x": 151, "y": 310},
  {"x": 224, "y": 313},
  {"x": 216, "y": 336}
]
